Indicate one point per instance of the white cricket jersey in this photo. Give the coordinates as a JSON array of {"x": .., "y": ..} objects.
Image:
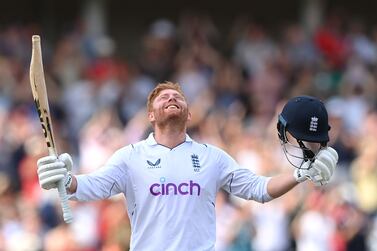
[{"x": 171, "y": 193}]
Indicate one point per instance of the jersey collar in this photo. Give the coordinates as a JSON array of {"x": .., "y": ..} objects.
[{"x": 151, "y": 141}]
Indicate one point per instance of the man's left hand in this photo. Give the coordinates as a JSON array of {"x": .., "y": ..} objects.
[{"x": 321, "y": 169}]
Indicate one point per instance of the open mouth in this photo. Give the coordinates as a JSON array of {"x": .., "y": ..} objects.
[{"x": 172, "y": 106}]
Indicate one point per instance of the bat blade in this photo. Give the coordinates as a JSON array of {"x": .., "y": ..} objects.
[
  {"x": 38, "y": 87},
  {"x": 39, "y": 91}
]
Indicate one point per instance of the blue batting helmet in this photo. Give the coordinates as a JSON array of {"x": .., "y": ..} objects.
[{"x": 306, "y": 118}]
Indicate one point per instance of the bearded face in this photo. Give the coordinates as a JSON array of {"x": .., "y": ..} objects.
[{"x": 169, "y": 107}]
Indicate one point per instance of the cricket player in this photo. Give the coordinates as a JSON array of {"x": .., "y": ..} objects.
[{"x": 170, "y": 181}]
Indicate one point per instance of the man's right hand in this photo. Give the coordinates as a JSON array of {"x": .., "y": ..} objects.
[{"x": 52, "y": 169}]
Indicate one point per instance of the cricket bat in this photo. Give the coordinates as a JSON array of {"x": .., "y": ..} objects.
[{"x": 38, "y": 87}]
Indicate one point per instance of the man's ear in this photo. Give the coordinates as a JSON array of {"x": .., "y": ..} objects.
[
  {"x": 189, "y": 116},
  {"x": 151, "y": 117}
]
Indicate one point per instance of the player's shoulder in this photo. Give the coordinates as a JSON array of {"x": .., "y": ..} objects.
[
  {"x": 136, "y": 147},
  {"x": 207, "y": 147},
  {"x": 123, "y": 154},
  {"x": 199, "y": 145},
  {"x": 130, "y": 148}
]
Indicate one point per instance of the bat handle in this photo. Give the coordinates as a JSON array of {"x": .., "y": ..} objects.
[{"x": 67, "y": 213}]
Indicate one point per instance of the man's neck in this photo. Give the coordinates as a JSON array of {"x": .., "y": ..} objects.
[{"x": 169, "y": 137}]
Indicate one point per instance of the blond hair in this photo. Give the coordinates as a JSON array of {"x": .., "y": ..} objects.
[{"x": 159, "y": 88}]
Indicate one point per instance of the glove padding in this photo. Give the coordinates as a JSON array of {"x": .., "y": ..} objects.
[
  {"x": 52, "y": 169},
  {"x": 320, "y": 170}
]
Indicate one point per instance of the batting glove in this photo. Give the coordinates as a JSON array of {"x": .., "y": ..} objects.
[
  {"x": 320, "y": 170},
  {"x": 52, "y": 169}
]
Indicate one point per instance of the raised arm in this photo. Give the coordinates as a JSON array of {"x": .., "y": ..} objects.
[
  {"x": 319, "y": 171},
  {"x": 281, "y": 184},
  {"x": 100, "y": 184}
]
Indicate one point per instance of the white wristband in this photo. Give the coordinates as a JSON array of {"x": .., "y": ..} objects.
[
  {"x": 68, "y": 181},
  {"x": 299, "y": 175}
]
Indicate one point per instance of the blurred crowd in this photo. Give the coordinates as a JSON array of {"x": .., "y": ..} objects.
[{"x": 236, "y": 83}]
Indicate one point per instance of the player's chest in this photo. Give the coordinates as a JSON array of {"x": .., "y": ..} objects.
[
  {"x": 175, "y": 165},
  {"x": 173, "y": 173}
]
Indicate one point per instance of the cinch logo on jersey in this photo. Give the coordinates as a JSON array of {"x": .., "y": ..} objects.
[{"x": 184, "y": 188}]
